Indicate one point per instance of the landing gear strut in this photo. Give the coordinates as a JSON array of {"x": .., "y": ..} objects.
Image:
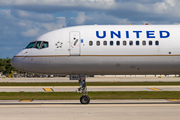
[{"x": 83, "y": 89}]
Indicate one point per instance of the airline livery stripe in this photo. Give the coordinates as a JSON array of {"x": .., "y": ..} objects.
[
  {"x": 100, "y": 56},
  {"x": 44, "y": 56},
  {"x": 125, "y": 55}
]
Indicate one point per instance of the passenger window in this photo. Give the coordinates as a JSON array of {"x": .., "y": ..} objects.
[
  {"x": 98, "y": 43},
  {"x": 124, "y": 43},
  {"x": 137, "y": 42},
  {"x": 143, "y": 42},
  {"x": 105, "y": 43},
  {"x": 150, "y": 43},
  {"x": 117, "y": 43},
  {"x": 111, "y": 43},
  {"x": 31, "y": 45},
  {"x": 90, "y": 43},
  {"x": 37, "y": 44},
  {"x": 44, "y": 45},
  {"x": 157, "y": 42},
  {"x": 130, "y": 43}
]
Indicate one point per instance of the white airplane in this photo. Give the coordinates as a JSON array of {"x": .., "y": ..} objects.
[{"x": 103, "y": 50}]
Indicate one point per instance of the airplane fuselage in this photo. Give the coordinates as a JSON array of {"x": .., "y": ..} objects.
[{"x": 104, "y": 50}]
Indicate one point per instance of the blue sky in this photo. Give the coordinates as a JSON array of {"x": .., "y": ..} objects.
[{"x": 23, "y": 20}]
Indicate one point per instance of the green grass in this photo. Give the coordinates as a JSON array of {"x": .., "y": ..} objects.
[
  {"x": 90, "y": 84},
  {"x": 92, "y": 95}
]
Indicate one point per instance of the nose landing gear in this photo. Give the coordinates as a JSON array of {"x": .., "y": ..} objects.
[{"x": 83, "y": 89}]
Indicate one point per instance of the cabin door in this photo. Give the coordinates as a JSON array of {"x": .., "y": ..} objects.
[{"x": 74, "y": 43}]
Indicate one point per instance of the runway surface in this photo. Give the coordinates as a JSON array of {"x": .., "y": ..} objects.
[
  {"x": 97, "y": 110},
  {"x": 93, "y": 102},
  {"x": 90, "y": 88},
  {"x": 95, "y": 79}
]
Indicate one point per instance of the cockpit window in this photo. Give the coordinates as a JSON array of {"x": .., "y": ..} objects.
[
  {"x": 44, "y": 45},
  {"x": 37, "y": 44},
  {"x": 31, "y": 45}
]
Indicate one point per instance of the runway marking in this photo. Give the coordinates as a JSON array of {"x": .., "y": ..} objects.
[
  {"x": 174, "y": 99},
  {"x": 155, "y": 89},
  {"x": 48, "y": 89},
  {"x": 26, "y": 100}
]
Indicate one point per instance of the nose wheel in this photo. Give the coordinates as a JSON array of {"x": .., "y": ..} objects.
[{"x": 84, "y": 99}]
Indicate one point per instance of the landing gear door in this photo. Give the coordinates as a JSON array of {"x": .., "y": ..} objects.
[
  {"x": 74, "y": 43},
  {"x": 77, "y": 77}
]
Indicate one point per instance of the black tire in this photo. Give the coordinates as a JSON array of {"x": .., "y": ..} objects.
[{"x": 84, "y": 99}]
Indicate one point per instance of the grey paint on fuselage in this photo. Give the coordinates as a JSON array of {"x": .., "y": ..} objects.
[{"x": 103, "y": 65}]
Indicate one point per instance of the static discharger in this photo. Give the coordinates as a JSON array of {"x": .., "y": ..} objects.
[{"x": 48, "y": 89}]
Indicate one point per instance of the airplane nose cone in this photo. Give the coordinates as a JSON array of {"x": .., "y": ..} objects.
[{"x": 17, "y": 63}]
